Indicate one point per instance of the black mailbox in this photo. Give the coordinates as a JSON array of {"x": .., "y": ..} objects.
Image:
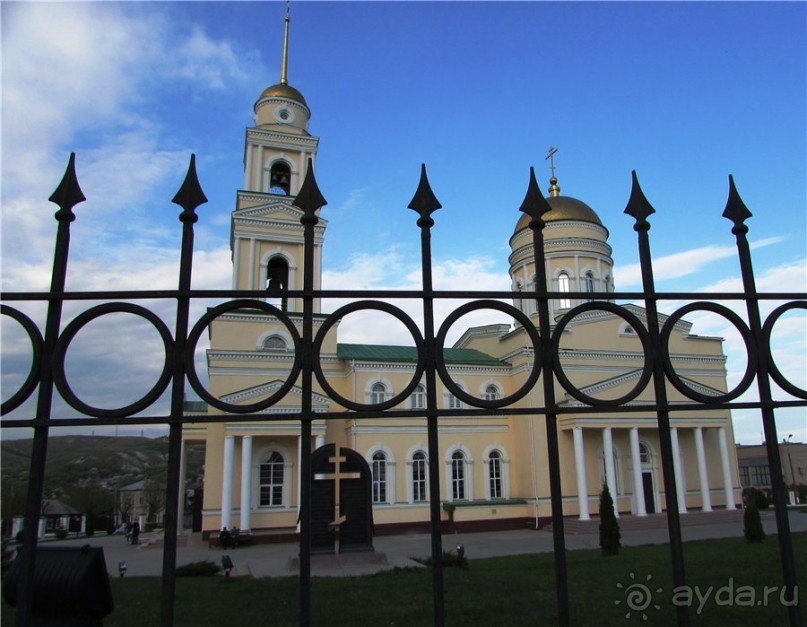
[{"x": 71, "y": 587}]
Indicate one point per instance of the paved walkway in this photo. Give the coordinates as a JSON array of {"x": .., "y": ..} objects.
[{"x": 280, "y": 560}]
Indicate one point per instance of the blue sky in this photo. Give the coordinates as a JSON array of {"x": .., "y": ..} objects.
[{"x": 684, "y": 93}]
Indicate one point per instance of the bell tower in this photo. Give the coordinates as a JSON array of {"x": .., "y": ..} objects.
[{"x": 266, "y": 236}]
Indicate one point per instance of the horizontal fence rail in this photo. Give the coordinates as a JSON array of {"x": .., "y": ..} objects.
[{"x": 180, "y": 340}]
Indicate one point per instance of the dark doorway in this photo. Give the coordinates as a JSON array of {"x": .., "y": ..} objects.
[
  {"x": 649, "y": 493},
  {"x": 350, "y": 525}
]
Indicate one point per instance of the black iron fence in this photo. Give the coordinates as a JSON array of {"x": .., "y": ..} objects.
[{"x": 49, "y": 346}]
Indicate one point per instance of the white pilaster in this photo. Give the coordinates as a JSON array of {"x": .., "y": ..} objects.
[
  {"x": 319, "y": 442},
  {"x": 724, "y": 461},
  {"x": 636, "y": 462},
  {"x": 678, "y": 471},
  {"x": 580, "y": 469},
  {"x": 259, "y": 171},
  {"x": 706, "y": 501},
  {"x": 181, "y": 504},
  {"x": 246, "y": 482},
  {"x": 227, "y": 483},
  {"x": 248, "y": 169},
  {"x": 610, "y": 471},
  {"x": 299, "y": 475}
]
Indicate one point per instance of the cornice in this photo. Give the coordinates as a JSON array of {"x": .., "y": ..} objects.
[{"x": 265, "y": 135}]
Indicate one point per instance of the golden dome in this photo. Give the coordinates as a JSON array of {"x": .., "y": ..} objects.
[
  {"x": 283, "y": 90},
  {"x": 563, "y": 208}
]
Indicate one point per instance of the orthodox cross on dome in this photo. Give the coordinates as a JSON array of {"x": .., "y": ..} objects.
[
  {"x": 554, "y": 190},
  {"x": 551, "y": 157},
  {"x": 284, "y": 64}
]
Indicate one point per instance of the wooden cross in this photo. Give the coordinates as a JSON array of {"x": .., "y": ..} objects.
[
  {"x": 337, "y": 476},
  {"x": 551, "y": 157}
]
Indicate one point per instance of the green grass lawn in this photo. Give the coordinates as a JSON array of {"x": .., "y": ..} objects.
[{"x": 508, "y": 591}]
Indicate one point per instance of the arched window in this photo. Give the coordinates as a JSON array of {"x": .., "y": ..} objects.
[
  {"x": 588, "y": 283},
  {"x": 277, "y": 280},
  {"x": 418, "y": 398},
  {"x": 274, "y": 343},
  {"x": 280, "y": 179},
  {"x": 457, "y": 476},
  {"x": 378, "y": 393},
  {"x": 495, "y": 474},
  {"x": 271, "y": 480},
  {"x": 644, "y": 453},
  {"x": 453, "y": 402},
  {"x": 419, "y": 477},
  {"x": 491, "y": 393},
  {"x": 563, "y": 286},
  {"x": 379, "y": 477}
]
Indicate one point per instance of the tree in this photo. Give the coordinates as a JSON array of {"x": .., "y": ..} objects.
[
  {"x": 752, "y": 524},
  {"x": 154, "y": 493},
  {"x": 92, "y": 501},
  {"x": 125, "y": 506},
  {"x": 610, "y": 536}
]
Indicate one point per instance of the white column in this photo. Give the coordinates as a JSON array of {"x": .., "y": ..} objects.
[
  {"x": 319, "y": 442},
  {"x": 248, "y": 169},
  {"x": 680, "y": 488},
  {"x": 299, "y": 475},
  {"x": 580, "y": 469},
  {"x": 610, "y": 471},
  {"x": 252, "y": 286},
  {"x": 227, "y": 483},
  {"x": 724, "y": 461},
  {"x": 181, "y": 504},
  {"x": 706, "y": 501},
  {"x": 246, "y": 482},
  {"x": 636, "y": 461},
  {"x": 259, "y": 172}
]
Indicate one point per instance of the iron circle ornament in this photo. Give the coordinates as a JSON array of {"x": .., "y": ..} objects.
[
  {"x": 28, "y": 386},
  {"x": 767, "y": 329},
  {"x": 196, "y": 333},
  {"x": 641, "y": 333},
  {"x": 455, "y": 389},
  {"x": 745, "y": 333},
  {"x": 375, "y": 305},
  {"x": 78, "y": 323}
]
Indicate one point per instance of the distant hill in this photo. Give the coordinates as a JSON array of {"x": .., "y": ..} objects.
[{"x": 106, "y": 461}]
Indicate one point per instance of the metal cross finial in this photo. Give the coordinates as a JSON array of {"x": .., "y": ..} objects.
[{"x": 551, "y": 157}]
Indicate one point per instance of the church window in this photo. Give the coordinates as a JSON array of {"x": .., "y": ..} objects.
[
  {"x": 274, "y": 343},
  {"x": 563, "y": 286},
  {"x": 419, "y": 477},
  {"x": 644, "y": 454},
  {"x": 277, "y": 280},
  {"x": 453, "y": 402},
  {"x": 495, "y": 474},
  {"x": 457, "y": 476},
  {"x": 379, "y": 477},
  {"x": 280, "y": 179},
  {"x": 588, "y": 282},
  {"x": 378, "y": 393},
  {"x": 492, "y": 393},
  {"x": 271, "y": 480},
  {"x": 418, "y": 398}
]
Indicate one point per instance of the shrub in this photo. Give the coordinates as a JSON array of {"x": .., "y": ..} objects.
[
  {"x": 202, "y": 568},
  {"x": 759, "y": 497},
  {"x": 60, "y": 533},
  {"x": 752, "y": 524},
  {"x": 19, "y": 536},
  {"x": 610, "y": 536}
]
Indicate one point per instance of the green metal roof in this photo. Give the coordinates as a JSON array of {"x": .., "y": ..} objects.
[{"x": 408, "y": 354}]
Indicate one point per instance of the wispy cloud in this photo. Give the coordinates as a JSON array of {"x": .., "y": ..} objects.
[{"x": 682, "y": 264}]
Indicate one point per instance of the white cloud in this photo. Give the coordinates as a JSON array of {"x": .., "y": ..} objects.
[{"x": 682, "y": 264}]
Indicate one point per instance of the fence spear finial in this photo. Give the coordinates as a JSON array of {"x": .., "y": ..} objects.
[
  {"x": 424, "y": 201},
  {"x": 190, "y": 194},
  {"x": 638, "y": 206},
  {"x": 68, "y": 193},
  {"x": 735, "y": 210}
]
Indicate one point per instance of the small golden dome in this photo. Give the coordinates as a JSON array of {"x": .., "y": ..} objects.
[
  {"x": 283, "y": 90},
  {"x": 563, "y": 208}
]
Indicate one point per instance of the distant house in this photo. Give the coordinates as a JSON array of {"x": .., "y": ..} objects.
[
  {"x": 142, "y": 501},
  {"x": 54, "y": 515},
  {"x": 752, "y": 461}
]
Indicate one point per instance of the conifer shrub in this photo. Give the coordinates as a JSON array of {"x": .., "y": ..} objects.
[
  {"x": 202, "y": 568},
  {"x": 752, "y": 524},
  {"x": 610, "y": 536}
]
